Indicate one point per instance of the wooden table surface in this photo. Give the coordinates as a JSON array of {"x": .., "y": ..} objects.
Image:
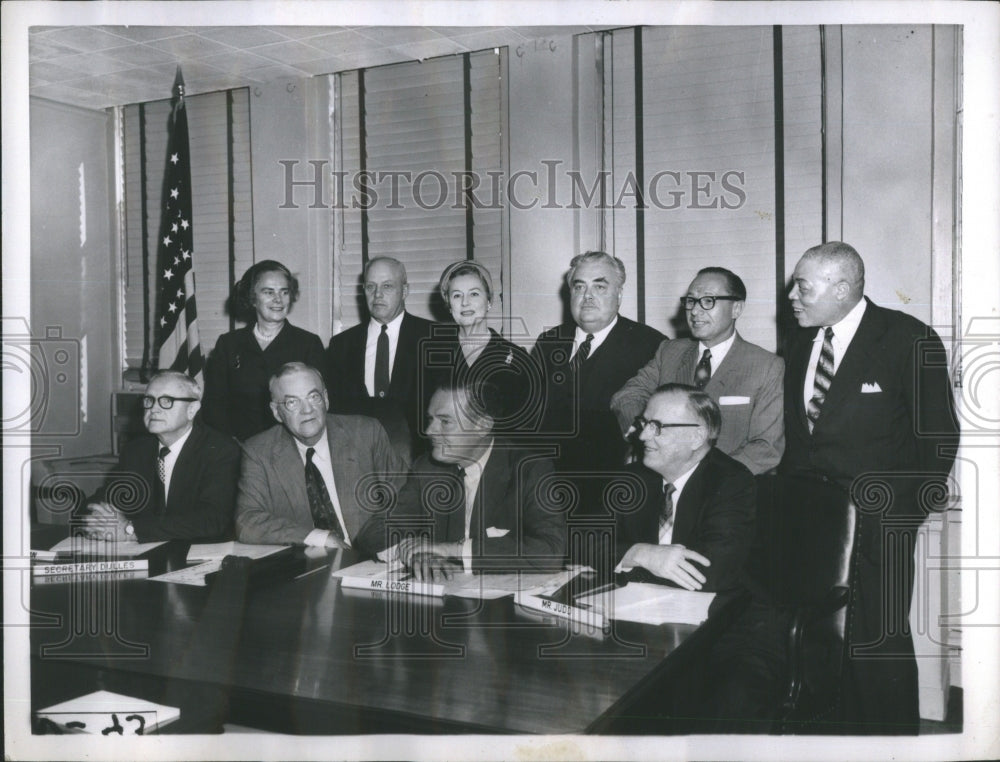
[{"x": 303, "y": 655}]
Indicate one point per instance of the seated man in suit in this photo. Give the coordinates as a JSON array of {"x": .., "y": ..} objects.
[
  {"x": 694, "y": 525},
  {"x": 305, "y": 482},
  {"x": 474, "y": 502},
  {"x": 177, "y": 483},
  {"x": 587, "y": 360},
  {"x": 373, "y": 368},
  {"x": 743, "y": 379}
]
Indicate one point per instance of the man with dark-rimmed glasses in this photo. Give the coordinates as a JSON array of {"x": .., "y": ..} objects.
[
  {"x": 177, "y": 483},
  {"x": 691, "y": 523},
  {"x": 743, "y": 379}
]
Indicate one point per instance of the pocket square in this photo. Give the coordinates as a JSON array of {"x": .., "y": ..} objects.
[
  {"x": 872, "y": 388},
  {"x": 495, "y": 532},
  {"x": 734, "y": 400}
]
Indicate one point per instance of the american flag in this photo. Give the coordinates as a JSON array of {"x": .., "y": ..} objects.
[{"x": 176, "y": 313}]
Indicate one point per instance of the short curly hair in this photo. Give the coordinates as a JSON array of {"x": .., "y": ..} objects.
[{"x": 245, "y": 286}]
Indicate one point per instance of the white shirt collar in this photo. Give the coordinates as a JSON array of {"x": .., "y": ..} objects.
[
  {"x": 322, "y": 448},
  {"x": 581, "y": 336},
  {"x": 178, "y": 445},
  {"x": 392, "y": 327},
  {"x": 719, "y": 351},
  {"x": 845, "y": 328},
  {"x": 680, "y": 481}
]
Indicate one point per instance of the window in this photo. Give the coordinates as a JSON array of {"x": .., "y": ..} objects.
[{"x": 219, "y": 134}]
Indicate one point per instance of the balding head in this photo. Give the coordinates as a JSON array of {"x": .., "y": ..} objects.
[{"x": 829, "y": 280}]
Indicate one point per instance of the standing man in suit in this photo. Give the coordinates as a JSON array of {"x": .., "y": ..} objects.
[
  {"x": 315, "y": 479},
  {"x": 694, "y": 523},
  {"x": 586, "y": 361},
  {"x": 374, "y": 367},
  {"x": 177, "y": 483},
  {"x": 479, "y": 498},
  {"x": 743, "y": 379},
  {"x": 868, "y": 404}
]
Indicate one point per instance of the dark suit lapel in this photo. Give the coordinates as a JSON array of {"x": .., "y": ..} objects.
[
  {"x": 356, "y": 357},
  {"x": 290, "y": 470},
  {"x": 688, "y": 361},
  {"x": 184, "y": 466},
  {"x": 687, "y": 508},
  {"x": 732, "y": 363},
  {"x": 344, "y": 462},
  {"x": 858, "y": 363},
  {"x": 798, "y": 364},
  {"x": 406, "y": 350}
]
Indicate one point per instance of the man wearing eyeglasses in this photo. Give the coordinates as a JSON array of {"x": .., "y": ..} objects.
[
  {"x": 177, "y": 483},
  {"x": 693, "y": 522},
  {"x": 316, "y": 478},
  {"x": 743, "y": 379}
]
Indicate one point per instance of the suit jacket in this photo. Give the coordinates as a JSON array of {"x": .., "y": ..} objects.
[
  {"x": 517, "y": 376},
  {"x": 512, "y": 526},
  {"x": 889, "y": 409},
  {"x": 713, "y": 516},
  {"x": 344, "y": 372},
  {"x": 747, "y": 386},
  {"x": 202, "y": 493},
  {"x": 237, "y": 400},
  {"x": 578, "y": 410},
  {"x": 272, "y": 505}
]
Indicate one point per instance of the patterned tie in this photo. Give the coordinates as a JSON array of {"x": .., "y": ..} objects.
[
  {"x": 382, "y": 363},
  {"x": 703, "y": 372},
  {"x": 161, "y": 471},
  {"x": 582, "y": 353},
  {"x": 324, "y": 517},
  {"x": 824, "y": 375},
  {"x": 667, "y": 515}
]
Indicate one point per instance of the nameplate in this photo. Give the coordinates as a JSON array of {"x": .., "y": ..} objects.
[
  {"x": 91, "y": 567},
  {"x": 389, "y": 583},
  {"x": 585, "y": 616},
  {"x": 117, "y": 576}
]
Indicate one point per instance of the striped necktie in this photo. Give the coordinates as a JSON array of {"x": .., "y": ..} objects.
[
  {"x": 582, "y": 353},
  {"x": 824, "y": 376},
  {"x": 667, "y": 513},
  {"x": 703, "y": 372}
]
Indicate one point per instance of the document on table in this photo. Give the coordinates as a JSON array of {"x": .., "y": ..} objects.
[
  {"x": 84, "y": 546},
  {"x": 214, "y": 553},
  {"x": 109, "y": 714},
  {"x": 380, "y": 576},
  {"x": 649, "y": 603}
]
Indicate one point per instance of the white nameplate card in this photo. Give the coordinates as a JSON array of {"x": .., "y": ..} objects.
[
  {"x": 649, "y": 603},
  {"x": 580, "y": 615},
  {"x": 110, "y": 714},
  {"x": 91, "y": 567},
  {"x": 105, "y": 577},
  {"x": 377, "y": 576}
]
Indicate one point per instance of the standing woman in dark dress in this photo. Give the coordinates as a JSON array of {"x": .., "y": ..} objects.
[
  {"x": 479, "y": 352},
  {"x": 237, "y": 400}
]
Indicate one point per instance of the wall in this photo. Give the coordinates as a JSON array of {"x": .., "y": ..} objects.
[{"x": 73, "y": 288}]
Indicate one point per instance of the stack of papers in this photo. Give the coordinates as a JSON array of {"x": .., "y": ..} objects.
[
  {"x": 211, "y": 556},
  {"x": 84, "y": 546},
  {"x": 650, "y": 604},
  {"x": 110, "y": 714}
]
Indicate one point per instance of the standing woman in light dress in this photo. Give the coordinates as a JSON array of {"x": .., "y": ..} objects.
[
  {"x": 237, "y": 400},
  {"x": 479, "y": 352}
]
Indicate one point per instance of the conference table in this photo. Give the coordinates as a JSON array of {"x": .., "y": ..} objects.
[{"x": 283, "y": 647}]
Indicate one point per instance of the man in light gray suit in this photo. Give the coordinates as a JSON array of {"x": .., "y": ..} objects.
[
  {"x": 744, "y": 379},
  {"x": 316, "y": 479}
]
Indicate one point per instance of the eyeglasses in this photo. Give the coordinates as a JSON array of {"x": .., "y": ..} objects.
[
  {"x": 294, "y": 404},
  {"x": 165, "y": 400},
  {"x": 640, "y": 424},
  {"x": 706, "y": 302}
]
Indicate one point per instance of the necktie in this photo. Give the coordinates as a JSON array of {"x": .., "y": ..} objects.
[
  {"x": 382, "y": 363},
  {"x": 161, "y": 471},
  {"x": 824, "y": 375},
  {"x": 667, "y": 515},
  {"x": 583, "y": 352},
  {"x": 703, "y": 372},
  {"x": 463, "y": 495},
  {"x": 320, "y": 506}
]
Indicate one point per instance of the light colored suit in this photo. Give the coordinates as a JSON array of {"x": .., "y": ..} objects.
[
  {"x": 747, "y": 386},
  {"x": 272, "y": 505}
]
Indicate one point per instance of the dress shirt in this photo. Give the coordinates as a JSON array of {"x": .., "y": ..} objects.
[
  {"x": 371, "y": 347},
  {"x": 843, "y": 333},
  {"x": 599, "y": 336},
  {"x": 719, "y": 351},
  {"x": 667, "y": 532},
  {"x": 171, "y": 460},
  {"x": 323, "y": 462},
  {"x": 473, "y": 475}
]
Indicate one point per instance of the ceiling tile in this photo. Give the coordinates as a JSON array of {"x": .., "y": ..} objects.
[
  {"x": 273, "y": 72},
  {"x": 303, "y": 32},
  {"x": 235, "y": 61},
  {"x": 461, "y": 31},
  {"x": 40, "y": 48},
  {"x": 148, "y": 33},
  {"x": 44, "y": 72},
  {"x": 192, "y": 70},
  {"x": 398, "y": 35},
  {"x": 84, "y": 38},
  {"x": 497, "y": 38},
  {"x": 288, "y": 52},
  {"x": 190, "y": 46},
  {"x": 240, "y": 36},
  {"x": 140, "y": 55},
  {"x": 328, "y": 65},
  {"x": 91, "y": 64},
  {"x": 431, "y": 48},
  {"x": 341, "y": 43}
]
